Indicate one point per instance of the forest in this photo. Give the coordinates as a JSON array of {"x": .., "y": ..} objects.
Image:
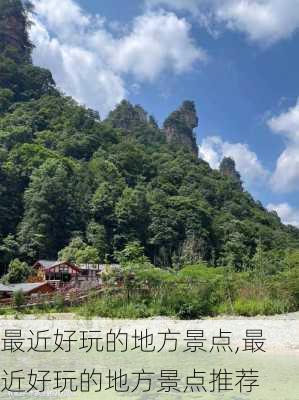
[{"x": 77, "y": 187}]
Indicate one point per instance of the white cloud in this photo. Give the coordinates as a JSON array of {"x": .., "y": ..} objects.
[
  {"x": 263, "y": 21},
  {"x": 157, "y": 42},
  {"x": 61, "y": 15},
  {"x": 287, "y": 123},
  {"x": 286, "y": 175},
  {"x": 91, "y": 63},
  {"x": 77, "y": 71},
  {"x": 212, "y": 149},
  {"x": 288, "y": 214},
  {"x": 189, "y": 5}
]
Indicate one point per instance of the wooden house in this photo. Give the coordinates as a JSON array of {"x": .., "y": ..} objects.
[{"x": 61, "y": 271}]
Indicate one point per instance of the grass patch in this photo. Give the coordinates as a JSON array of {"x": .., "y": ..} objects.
[{"x": 190, "y": 293}]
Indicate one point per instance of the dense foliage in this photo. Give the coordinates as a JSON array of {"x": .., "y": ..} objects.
[
  {"x": 86, "y": 188},
  {"x": 18, "y": 272},
  {"x": 193, "y": 292}
]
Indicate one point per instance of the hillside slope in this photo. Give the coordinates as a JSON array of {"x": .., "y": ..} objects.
[{"x": 66, "y": 174}]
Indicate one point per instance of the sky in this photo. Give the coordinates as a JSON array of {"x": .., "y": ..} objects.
[{"x": 238, "y": 60}]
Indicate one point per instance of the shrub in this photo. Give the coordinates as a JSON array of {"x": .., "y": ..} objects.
[
  {"x": 18, "y": 298},
  {"x": 261, "y": 306},
  {"x": 58, "y": 302},
  {"x": 195, "y": 291},
  {"x": 286, "y": 284}
]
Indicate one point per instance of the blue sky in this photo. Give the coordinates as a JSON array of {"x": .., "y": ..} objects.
[{"x": 237, "y": 59}]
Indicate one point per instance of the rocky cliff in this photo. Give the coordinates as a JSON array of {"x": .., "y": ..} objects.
[
  {"x": 179, "y": 126},
  {"x": 13, "y": 28}
]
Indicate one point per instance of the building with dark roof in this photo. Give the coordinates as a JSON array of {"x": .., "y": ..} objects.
[{"x": 6, "y": 291}]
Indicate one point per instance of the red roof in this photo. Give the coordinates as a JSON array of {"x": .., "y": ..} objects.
[{"x": 47, "y": 265}]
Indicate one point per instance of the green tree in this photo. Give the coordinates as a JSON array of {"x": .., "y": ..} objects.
[
  {"x": 133, "y": 252},
  {"x": 131, "y": 212},
  {"x": 79, "y": 252},
  {"x": 10, "y": 201},
  {"x": 97, "y": 237},
  {"x": 18, "y": 272},
  {"x": 87, "y": 255},
  {"x": 103, "y": 202},
  {"x": 292, "y": 259},
  {"x": 235, "y": 252},
  {"x": 69, "y": 253},
  {"x": 6, "y": 99},
  {"x": 50, "y": 212},
  {"x": 9, "y": 249}
]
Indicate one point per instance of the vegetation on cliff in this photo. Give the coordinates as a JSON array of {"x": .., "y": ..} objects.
[{"x": 85, "y": 188}]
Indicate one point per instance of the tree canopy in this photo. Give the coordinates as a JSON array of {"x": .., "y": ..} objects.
[{"x": 66, "y": 174}]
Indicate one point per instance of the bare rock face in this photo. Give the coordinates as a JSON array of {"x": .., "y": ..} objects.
[
  {"x": 228, "y": 168},
  {"x": 14, "y": 31},
  {"x": 179, "y": 126},
  {"x": 13, "y": 27}
]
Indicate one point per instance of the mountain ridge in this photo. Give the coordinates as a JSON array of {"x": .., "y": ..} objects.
[{"x": 65, "y": 174}]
